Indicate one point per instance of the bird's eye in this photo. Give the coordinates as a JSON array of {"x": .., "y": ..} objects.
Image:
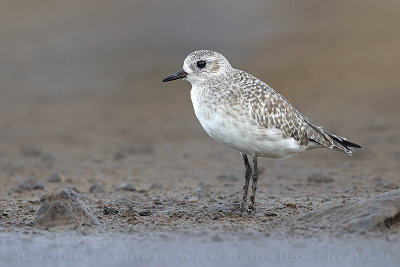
[{"x": 201, "y": 64}]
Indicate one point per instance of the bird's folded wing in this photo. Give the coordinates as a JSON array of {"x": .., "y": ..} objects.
[{"x": 269, "y": 109}]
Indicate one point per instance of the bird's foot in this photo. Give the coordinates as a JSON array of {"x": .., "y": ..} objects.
[
  {"x": 247, "y": 208},
  {"x": 251, "y": 208}
]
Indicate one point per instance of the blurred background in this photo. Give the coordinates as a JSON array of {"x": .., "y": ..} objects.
[{"x": 81, "y": 79}]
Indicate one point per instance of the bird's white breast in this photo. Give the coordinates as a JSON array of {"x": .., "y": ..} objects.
[{"x": 237, "y": 130}]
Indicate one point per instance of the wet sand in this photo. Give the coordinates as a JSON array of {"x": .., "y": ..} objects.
[{"x": 108, "y": 122}]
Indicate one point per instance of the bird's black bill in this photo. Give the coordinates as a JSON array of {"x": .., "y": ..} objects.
[{"x": 175, "y": 76}]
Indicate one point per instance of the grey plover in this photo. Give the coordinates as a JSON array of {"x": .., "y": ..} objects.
[{"x": 241, "y": 111}]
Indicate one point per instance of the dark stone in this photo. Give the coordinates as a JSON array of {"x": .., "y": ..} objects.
[
  {"x": 95, "y": 189},
  {"x": 319, "y": 178},
  {"x": 110, "y": 211},
  {"x": 156, "y": 201},
  {"x": 377, "y": 213},
  {"x": 156, "y": 186},
  {"x": 56, "y": 177},
  {"x": 144, "y": 213}
]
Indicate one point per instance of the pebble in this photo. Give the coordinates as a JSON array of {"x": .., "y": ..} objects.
[
  {"x": 56, "y": 177},
  {"x": 126, "y": 187},
  {"x": 319, "y": 178},
  {"x": 156, "y": 186},
  {"x": 110, "y": 211},
  {"x": 144, "y": 213},
  {"x": 156, "y": 201},
  {"x": 96, "y": 188}
]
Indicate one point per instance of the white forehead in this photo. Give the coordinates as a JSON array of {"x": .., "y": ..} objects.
[{"x": 206, "y": 55}]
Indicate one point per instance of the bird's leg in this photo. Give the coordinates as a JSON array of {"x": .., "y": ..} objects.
[
  {"x": 254, "y": 178},
  {"x": 247, "y": 174}
]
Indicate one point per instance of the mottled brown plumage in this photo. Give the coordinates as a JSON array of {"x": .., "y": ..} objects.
[{"x": 272, "y": 110}]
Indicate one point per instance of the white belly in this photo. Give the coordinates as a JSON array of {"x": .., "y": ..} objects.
[{"x": 241, "y": 134}]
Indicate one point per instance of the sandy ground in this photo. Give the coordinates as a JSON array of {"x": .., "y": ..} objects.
[{"x": 116, "y": 125}]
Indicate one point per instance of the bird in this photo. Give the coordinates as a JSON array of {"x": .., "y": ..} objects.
[{"x": 243, "y": 112}]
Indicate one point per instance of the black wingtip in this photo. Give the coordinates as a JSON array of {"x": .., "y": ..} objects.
[
  {"x": 346, "y": 144},
  {"x": 343, "y": 142},
  {"x": 350, "y": 144}
]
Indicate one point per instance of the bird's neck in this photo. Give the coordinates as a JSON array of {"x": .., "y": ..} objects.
[{"x": 213, "y": 92}]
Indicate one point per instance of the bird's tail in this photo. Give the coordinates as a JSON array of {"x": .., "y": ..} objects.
[
  {"x": 329, "y": 140},
  {"x": 341, "y": 144}
]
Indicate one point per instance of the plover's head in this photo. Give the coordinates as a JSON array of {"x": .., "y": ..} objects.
[{"x": 200, "y": 66}]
